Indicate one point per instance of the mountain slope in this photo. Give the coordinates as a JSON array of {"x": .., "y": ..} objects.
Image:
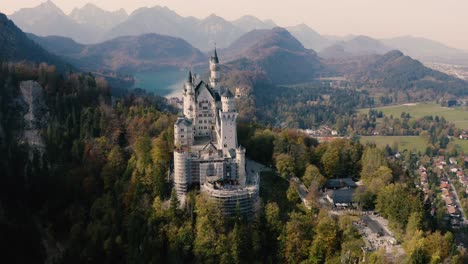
[
  {"x": 309, "y": 37},
  {"x": 127, "y": 54},
  {"x": 279, "y": 55},
  {"x": 16, "y": 46},
  {"x": 396, "y": 71}
]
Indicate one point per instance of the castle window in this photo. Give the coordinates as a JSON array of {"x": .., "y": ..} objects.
[
  {"x": 225, "y": 145},
  {"x": 181, "y": 136},
  {"x": 182, "y": 130}
]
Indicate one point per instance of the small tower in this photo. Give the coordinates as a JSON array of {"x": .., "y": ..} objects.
[
  {"x": 240, "y": 160},
  {"x": 228, "y": 116},
  {"x": 189, "y": 98},
  {"x": 227, "y": 101},
  {"x": 214, "y": 69}
]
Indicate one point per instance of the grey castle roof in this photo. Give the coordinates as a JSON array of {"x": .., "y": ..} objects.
[
  {"x": 183, "y": 120},
  {"x": 215, "y": 57},
  {"x": 213, "y": 93},
  {"x": 340, "y": 183},
  {"x": 190, "y": 77},
  {"x": 227, "y": 93}
]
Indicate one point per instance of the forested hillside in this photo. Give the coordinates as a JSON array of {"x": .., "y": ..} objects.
[{"x": 16, "y": 46}]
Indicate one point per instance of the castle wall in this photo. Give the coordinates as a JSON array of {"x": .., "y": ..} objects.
[{"x": 205, "y": 118}]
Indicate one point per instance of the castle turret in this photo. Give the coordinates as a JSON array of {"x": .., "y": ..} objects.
[
  {"x": 182, "y": 174},
  {"x": 228, "y": 116},
  {"x": 189, "y": 98},
  {"x": 214, "y": 69},
  {"x": 227, "y": 101},
  {"x": 240, "y": 160}
]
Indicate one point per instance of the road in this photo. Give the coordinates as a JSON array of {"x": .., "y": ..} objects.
[
  {"x": 454, "y": 191},
  {"x": 302, "y": 191}
]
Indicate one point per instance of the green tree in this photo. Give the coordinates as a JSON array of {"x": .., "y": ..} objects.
[
  {"x": 312, "y": 174},
  {"x": 285, "y": 165}
]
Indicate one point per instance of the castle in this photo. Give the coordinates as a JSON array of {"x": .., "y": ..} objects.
[{"x": 206, "y": 152}]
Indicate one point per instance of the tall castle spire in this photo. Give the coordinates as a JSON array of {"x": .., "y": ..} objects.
[{"x": 214, "y": 68}]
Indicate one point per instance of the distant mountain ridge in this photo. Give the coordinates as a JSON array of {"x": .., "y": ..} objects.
[
  {"x": 150, "y": 52},
  {"x": 357, "y": 46}
]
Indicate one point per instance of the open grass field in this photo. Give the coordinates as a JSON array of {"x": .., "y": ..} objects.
[
  {"x": 413, "y": 143},
  {"x": 457, "y": 116},
  {"x": 463, "y": 144}
]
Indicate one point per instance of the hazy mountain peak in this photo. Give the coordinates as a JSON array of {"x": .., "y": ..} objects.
[
  {"x": 249, "y": 22},
  {"x": 94, "y": 16},
  {"x": 51, "y": 7},
  {"x": 310, "y": 38}
]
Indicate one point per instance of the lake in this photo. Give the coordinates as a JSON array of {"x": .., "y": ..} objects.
[{"x": 165, "y": 83}]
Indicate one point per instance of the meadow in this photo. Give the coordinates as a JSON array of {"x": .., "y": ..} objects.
[
  {"x": 458, "y": 116},
  {"x": 413, "y": 143}
]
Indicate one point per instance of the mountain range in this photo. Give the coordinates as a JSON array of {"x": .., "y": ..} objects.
[{"x": 91, "y": 24}]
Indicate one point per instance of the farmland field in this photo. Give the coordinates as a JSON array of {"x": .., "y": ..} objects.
[
  {"x": 457, "y": 116},
  {"x": 413, "y": 143}
]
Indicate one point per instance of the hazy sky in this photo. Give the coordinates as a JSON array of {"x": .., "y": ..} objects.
[{"x": 442, "y": 20}]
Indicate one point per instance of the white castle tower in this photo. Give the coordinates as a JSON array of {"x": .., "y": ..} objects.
[
  {"x": 214, "y": 69},
  {"x": 228, "y": 116},
  {"x": 240, "y": 160},
  {"x": 189, "y": 98}
]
